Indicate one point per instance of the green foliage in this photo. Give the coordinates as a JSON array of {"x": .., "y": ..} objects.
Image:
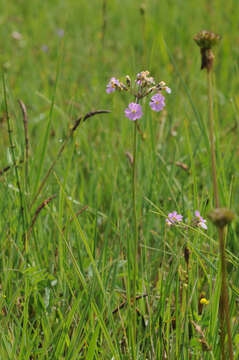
[{"x": 65, "y": 279}]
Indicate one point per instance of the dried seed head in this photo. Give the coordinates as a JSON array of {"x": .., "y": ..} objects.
[
  {"x": 221, "y": 216},
  {"x": 206, "y": 40}
]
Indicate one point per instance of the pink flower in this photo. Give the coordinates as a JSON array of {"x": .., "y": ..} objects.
[
  {"x": 173, "y": 218},
  {"x": 112, "y": 85},
  {"x": 200, "y": 221},
  {"x": 134, "y": 111},
  {"x": 157, "y": 102}
]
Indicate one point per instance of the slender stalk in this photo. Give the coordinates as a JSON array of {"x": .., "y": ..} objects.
[
  {"x": 25, "y": 123},
  {"x": 211, "y": 137},
  {"x": 224, "y": 290},
  {"x": 135, "y": 267},
  {"x": 224, "y": 297},
  {"x": 104, "y": 21}
]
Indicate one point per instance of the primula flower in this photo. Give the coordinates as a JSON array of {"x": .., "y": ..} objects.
[
  {"x": 134, "y": 111},
  {"x": 157, "y": 102},
  {"x": 200, "y": 221},
  {"x": 173, "y": 218},
  {"x": 111, "y": 86},
  {"x": 168, "y": 90}
]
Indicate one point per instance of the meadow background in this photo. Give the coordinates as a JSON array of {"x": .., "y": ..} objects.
[{"x": 59, "y": 294}]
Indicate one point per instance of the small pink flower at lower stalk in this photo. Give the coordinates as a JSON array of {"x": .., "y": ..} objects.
[
  {"x": 134, "y": 111},
  {"x": 111, "y": 86},
  {"x": 173, "y": 218},
  {"x": 157, "y": 102},
  {"x": 200, "y": 221}
]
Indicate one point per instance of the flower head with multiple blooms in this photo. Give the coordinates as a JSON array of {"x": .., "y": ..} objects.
[
  {"x": 143, "y": 86},
  {"x": 174, "y": 218}
]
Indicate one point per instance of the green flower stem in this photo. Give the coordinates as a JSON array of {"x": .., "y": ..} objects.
[{"x": 135, "y": 247}]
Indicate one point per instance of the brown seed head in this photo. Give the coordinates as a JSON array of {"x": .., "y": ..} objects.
[
  {"x": 221, "y": 216},
  {"x": 206, "y": 39}
]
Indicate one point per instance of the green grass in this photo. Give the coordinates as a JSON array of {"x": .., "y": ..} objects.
[{"x": 59, "y": 296}]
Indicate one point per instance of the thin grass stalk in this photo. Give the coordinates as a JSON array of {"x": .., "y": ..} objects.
[
  {"x": 25, "y": 123},
  {"x": 14, "y": 161},
  {"x": 104, "y": 22},
  {"x": 224, "y": 289},
  {"x": 48, "y": 127},
  {"x": 142, "y": 13}
]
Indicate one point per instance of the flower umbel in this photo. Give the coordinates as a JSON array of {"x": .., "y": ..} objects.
[
  {"x": 141, "y": 87},
  {"x": 157, "y": 102},
  {"x": 134, "y": 111},
  {"x": 173, "y": 218},
  {"x": 200, "y": 221},
  {"x": 112, "y": 85}
]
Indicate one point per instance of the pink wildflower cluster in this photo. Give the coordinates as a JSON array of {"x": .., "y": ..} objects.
[
  {"x": 142, "y": 87},
  {"x": 174, "y": 218}
]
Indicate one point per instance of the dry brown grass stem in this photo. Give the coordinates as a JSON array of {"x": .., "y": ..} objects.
[
  {"x": 2, "y": 171},
  {"x": 37, "y": 212},
  {"x": 72, "y": 130},
  {"x": 119, "y": 307}
]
